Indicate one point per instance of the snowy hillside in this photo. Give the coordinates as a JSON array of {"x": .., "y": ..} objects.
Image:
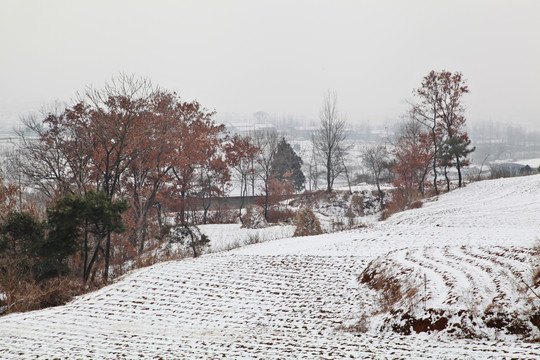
[{"x": 299, "y": 297}]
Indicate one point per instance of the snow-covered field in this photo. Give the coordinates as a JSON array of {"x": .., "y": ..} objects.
[
  {"x": 229, "y": 236},
  {"x": 534, "y": 163},
  {"x": 292, "y": 298}
]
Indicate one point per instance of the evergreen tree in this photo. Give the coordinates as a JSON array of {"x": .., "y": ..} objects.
[
  {"x": 81, "y": 222},
  {"x": 64, "y": 220},
  {"x": 21, "y": 237},
  {"x": 287, "y": 165}
]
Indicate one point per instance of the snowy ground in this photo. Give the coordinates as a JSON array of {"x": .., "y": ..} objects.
[
  {"x": 229, "y": 236},
  {"x": 533, "y": 163},
  {"x": 291, "y": 298}
]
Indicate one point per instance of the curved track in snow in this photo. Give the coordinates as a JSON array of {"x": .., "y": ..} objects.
[{"x": 288, "y": 299}]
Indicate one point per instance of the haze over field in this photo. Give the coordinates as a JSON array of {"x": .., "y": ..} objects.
[{"x": 240, "y": 57}]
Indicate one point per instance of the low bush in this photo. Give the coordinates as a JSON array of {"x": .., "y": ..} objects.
[
  {"x": 307, "y": 223},
  {"x": 254, "y": 217},
  {"x": 253, "y": 238},
  {"x": 337, "y": 225},
  {"x": 190, "y": 238},
  {"x": 222, "y": 217},
  {"x": 391, "y": 291},
  {"x": 357, "y": 205},
  {"x": 29, "y": 295},
  {"x": 397, "y": 204},
  {"x": 281, "y": 215}
]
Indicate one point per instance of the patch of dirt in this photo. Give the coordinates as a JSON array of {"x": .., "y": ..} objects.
[{"x": 433, "y": 320}]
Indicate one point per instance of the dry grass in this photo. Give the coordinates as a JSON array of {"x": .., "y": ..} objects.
[
  {"x": 397, "y": 204},
  {"x": 281, "y": 215},
  {"x": 307, "y": 223},
  {"x": 29, "y": 295},
  {"x": 391, "y": 290},
  {"x": 25, "y": 294},
  {"x": 357, "y": 205}
]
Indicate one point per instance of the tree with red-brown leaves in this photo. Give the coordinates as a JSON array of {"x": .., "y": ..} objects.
[
  {"x": 452, "y": 122},
  {"x": 113, "y": 120},
  {"x": 441, "y": 111},
  {"x": 52, "y": 157},
  {"x": 241, "y": 154},
  {"x": 214, "y": 178},
  {"x": 413, "y": 160},
  {"x": 198, "y": 141},
  {"x": 147, "y": 174},
  {"x": 8, "y": 198},
  {"x": 128, "y": 140},
  {"x": 426, "y": 112}
]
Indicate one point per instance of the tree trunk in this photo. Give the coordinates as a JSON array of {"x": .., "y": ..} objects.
[
  {"x": 434, "y": 135},
  {"x": 160, "y": 221},
  {"x": 183, "y": 208},
  {"x": 205, "y": 210},
  {"x": 347, "y": 176},
  {"x": 266, "y": 200},
  {"x": 144, "y": 225},
  {"x": 243, "y": 193},
  {"x": 447, "y": 179},
  {"x": 85, "y": 250},
  {"x": 107, "y": 257},
  {"x": 378, "y": 189},
  {"x": 458, "y": 166},
  {"x": 92, "y": 261},
  {"x": 328, "y": 175}
]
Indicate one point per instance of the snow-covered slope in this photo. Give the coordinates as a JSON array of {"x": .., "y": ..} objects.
[{"x": 292, "y": 298}]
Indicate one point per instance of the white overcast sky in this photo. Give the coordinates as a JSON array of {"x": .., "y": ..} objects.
[{"x": 276, "y": 56}]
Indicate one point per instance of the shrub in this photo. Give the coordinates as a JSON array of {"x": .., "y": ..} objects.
[
  {"x": 351, "y": 218},
  {"x": 254, "y": 217},
  {"x": 357, "y": 205},
  {"x": 253, "y": 238},
  {"x": 391, "y": 291},
  {"x": 337, "y": 224},
  {"x": 277, "y": 215},
  {"x": 29, "y": 295},
  {"x": 191, "y": 238},
  {"x": 397, "y": 204},
  {"x": 307, "y": 223},
  {"x": 222, "y": 217}
]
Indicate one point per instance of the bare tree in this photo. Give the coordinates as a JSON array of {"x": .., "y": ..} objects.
[
  {"x": 267, "y": 143},
  {"x": 52, "y": 159},
  {"x": 440, "y": 110},
  {"x": 375, "y": 159},
  {"x": 241, "y": 155},
  {"x": 261, "y": 116},
  {"x": 342, "y": 155},
  {"x": 313, "y": 172},
  {"x": 329, "y": 140}
]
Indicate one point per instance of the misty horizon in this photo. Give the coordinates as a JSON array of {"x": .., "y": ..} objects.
[{"x": 241, "y": 57}]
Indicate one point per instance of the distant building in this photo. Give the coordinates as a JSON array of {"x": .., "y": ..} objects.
[{"x": 245, "y": 129}]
